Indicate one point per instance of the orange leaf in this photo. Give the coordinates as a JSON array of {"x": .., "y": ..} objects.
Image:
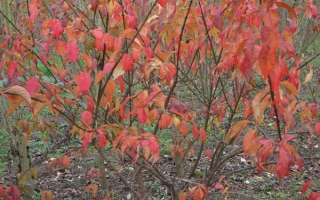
[
  {"x": 198, "y": 194},
  {"x": 183, "y": 128},
  {"x": 18, "y": 90},
  {"x": 248, "y": 138},
  {"x": 94, "y": 188},
  {"x": 66, "y": 161},
  {"x": 182, "y": 195},
  {"x": 235, "y": 130},
  {"x": 289, "y": 87},
  {"x": 259, "y": 104}
]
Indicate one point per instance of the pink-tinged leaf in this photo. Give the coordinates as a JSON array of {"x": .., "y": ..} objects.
[
  {"x": 108, "y": 67},
  {"x": 66, "y": 161},
  {"x": 56, "y": 27},
  {"x": 305, "y": 187},
  {"x": 84, "y": 81},
  {"x": 127, "y": 62},
  {"x": 218, "y": 186},
  {"x": 14, "y": 193},
  {"x": 86, "y": 117},
  {"x": 11, "y": 69},
  {"x": 131, "y": 21},
  {"x": 32, "y": 85},
  {"x": 87, "y": 140},
  {"x": 162, "y": 3},
  {"x": 33, "y": 9},
  {"x": 102, "y": 139},
  {"x": 98, "y": 34},
  {"x": 317, "y": 128},
  {"x": 72, "y": 52},
  {"x": 314, "y": 196},
  {"x": 287, "y": 137}
]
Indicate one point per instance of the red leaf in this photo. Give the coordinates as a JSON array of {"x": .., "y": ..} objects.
[
  {"x": 2, "y": 192},
  {"x": 203, "y": 135},
  {"x": 102, "y": 139},
  {"x": 87, "y": 140},
  {"x": 32, "y": 85},
  {"x": 183, "y": 128},
  {"x": 56, "y": 28},
  {"x": 11, "y": 68},
  {"x": 127, "y": 62},
  {"x": 165, "y": 121},
  {"x": 83, "y": 81},
  {"x": 14, "y": 193},
  {"x": 72, "y": 52},
  {"x": 317, "y": 128},
  {"x": 66, "y": 161},
  {"x": 154, "y": 146},
  {"x": 86, "y": 117},
  {"x": 142, "y": 116},
  {"x": 284, "y": 161},
  {"x": 195, "y": 131},
  {"x": 314, "y": 196},
  {"x": 305, "y": 187},
  {"x": 33, "y": 9},
  {"x": 209, "y": 153},
  {"x": 162, "y": 3}
]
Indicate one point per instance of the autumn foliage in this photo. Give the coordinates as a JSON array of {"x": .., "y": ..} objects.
[{"x": 215, "y": 75}]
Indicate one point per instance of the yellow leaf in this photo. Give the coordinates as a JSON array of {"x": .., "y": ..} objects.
[{"x": 309, "y": 76}]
